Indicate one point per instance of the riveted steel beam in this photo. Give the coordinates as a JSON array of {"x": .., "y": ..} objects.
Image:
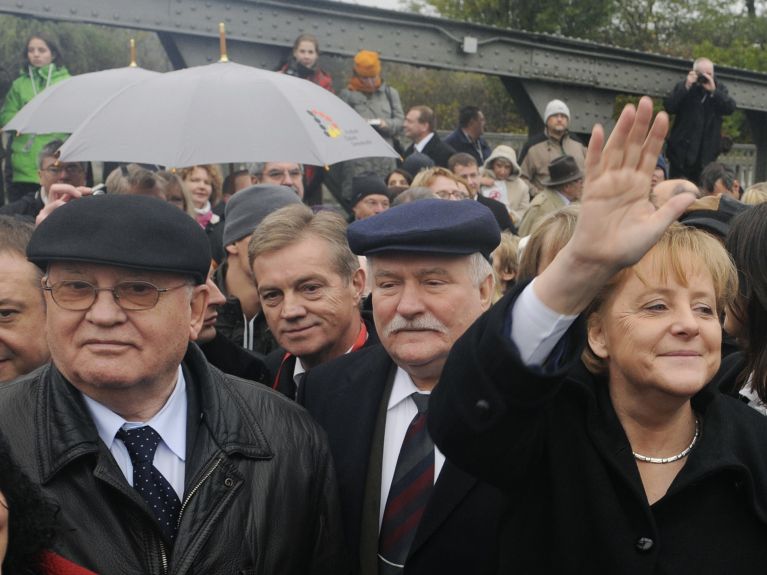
[
  {"x": 402, "y": 37},
  {"x": 535, "y": 67}
]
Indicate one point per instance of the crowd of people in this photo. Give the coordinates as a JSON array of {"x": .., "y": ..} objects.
[{"x": 548, "y": 360}]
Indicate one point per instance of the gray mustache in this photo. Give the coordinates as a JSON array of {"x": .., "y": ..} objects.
[{"x": 426, "y": 322}]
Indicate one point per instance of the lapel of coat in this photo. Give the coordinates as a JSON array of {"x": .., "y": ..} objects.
[{"x": 452, "y": 486}]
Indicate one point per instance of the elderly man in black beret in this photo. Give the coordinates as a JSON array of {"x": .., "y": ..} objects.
[
  {"x": 404, "y": 506},
  {"x": 158, "y": 462}
]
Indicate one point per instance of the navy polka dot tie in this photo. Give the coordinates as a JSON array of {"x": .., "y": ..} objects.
[{"x": 142, "y": 443}]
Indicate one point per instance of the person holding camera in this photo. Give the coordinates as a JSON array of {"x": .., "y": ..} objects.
[{"x": 699, "y": 103}]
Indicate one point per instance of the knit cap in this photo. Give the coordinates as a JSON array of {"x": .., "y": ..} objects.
[{"x": 367, "y": 64}]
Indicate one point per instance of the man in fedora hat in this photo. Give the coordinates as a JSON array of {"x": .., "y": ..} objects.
[{"x": 563, "y": 186}]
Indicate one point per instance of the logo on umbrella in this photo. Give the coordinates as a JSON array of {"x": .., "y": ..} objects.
[{"x": 329, "y": 127}]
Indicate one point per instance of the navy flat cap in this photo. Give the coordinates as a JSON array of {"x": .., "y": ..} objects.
[
  {"x": 134, "y": 232},
  {"x": 432, "y": 226}
]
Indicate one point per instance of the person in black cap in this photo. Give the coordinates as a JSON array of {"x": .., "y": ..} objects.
[
  {"x": 564, "y": 186},
  {"x": 431, "y": 279},
  {"x": 153, "y": 457},
  {"x": 370, "y": 196}
]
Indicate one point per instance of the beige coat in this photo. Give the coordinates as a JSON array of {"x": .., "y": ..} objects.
[
  {"x": 546, "y": 202},
  {"x": 535, "y": 165}
]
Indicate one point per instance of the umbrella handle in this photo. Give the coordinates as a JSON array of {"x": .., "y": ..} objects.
[
  {"x": 132, "y": 53},
  {"x": 222, "y": 42}
]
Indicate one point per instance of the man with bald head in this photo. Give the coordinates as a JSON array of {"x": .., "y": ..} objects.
[{"x": 700, "y": 101}]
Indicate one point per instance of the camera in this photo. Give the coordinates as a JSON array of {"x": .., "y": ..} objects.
[{"x": 702, "y": 79}]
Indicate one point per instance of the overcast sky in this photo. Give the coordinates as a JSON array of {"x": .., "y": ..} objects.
[{"x": 387, "y": 4}]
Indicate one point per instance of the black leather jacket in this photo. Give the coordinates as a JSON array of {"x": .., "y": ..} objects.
[{"x": 260, "y": 493}]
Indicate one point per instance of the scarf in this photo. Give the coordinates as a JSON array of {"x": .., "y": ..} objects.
[
  {"x": 357, "y": 85},
  {"x": 204, "y": 215}
]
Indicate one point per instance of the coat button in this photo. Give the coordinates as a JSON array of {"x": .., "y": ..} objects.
[
  {"x": 482, "y": 407},
  {"x": 228, "y": 482},
  {"x": 644, "y": 544}
]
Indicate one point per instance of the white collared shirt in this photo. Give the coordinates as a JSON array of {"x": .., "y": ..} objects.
[
  {"x": 169, "y": 423},
  {"x": 536, "y": 329},
  {"x": 399, "y": 413},
  {"x": 565, "y": 199},
  {"x": 422, "y": 144}
]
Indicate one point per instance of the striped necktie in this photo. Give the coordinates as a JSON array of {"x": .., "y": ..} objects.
[{"x": 409, "y": 493}]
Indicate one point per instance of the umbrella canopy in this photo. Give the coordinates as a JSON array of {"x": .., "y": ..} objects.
[
  {"x": 63, "y": 106},
  {"x": 224, "y": 112}
]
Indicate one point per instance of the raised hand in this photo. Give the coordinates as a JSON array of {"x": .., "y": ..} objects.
[{"x": 617, "y": 224}]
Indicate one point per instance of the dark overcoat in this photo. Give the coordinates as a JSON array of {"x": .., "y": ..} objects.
[
  {"x": 260, "y": 492},
  {"x": 459, "y": 529},
  {"x": 436, "y": 149},
  {"x": 553, "y": 441}
]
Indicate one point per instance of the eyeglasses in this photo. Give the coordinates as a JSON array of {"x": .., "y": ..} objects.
[
  {"x": 70, "y": 169},
  {"x": 276, "y": 174},
  {"x": 77, "y": 295},
  {"x": 457, "y": 194}
]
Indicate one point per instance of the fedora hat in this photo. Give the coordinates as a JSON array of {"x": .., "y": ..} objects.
[{"x": 562, "y": 170}]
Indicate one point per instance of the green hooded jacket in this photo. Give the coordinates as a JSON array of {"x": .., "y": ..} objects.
[{"x": 25, "y": 148}]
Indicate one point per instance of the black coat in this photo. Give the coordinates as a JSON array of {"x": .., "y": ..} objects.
[
  {"x": 696, "y": 135},
  {"x": 436, "y": 149},
  {"x": 280, "y": 364},
  {"x": 500, "y": 213},
  {"x": 553, "y": 441},
  {"x": 460, "y": 143},
  {"x": 260, "y": 491},
  {"x": 458, "y": 531}
]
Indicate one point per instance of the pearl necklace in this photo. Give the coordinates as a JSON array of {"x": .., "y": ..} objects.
[{"x": 677, "y": 457}]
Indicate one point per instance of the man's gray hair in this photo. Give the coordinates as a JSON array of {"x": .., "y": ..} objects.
[
  {"x": 479, "y": 269},
  {"x": 256, "y": 169}
]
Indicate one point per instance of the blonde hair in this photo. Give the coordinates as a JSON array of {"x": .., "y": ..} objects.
[
  {"x": 506, "y": 256},
  {"x": 425, "y": 178},
  {"x": 549, "y": 236},
  {"x": 755, "y": 194},
  {"x": 679, "y": 250}
]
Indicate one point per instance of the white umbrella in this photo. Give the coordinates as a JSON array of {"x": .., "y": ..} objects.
[
  {"x": 220, "y": 113},
  {"x": 63, "y": 106}
]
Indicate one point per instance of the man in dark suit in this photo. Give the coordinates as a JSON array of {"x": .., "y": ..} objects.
[
  {"x": 467, "y": 137},
  {"x": 405, "y": 508},
  {"x": 420, "y": 125}
]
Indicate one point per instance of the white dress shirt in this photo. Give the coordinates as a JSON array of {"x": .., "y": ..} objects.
[
  {"x": 399, "y": 413},
  {"x": 169, "y": 423},
  {"x": 422, "y": 144},
  {"x": 536, "y": 329}
]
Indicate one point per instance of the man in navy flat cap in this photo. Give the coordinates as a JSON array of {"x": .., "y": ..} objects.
[
  {"x": 405, "y": 507},
  {"x": 158, "y": 462}
]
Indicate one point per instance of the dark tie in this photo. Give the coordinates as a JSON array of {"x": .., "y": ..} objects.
[
  {"x": 409, "y": 493},
  {"x": 141, "y": 443}
]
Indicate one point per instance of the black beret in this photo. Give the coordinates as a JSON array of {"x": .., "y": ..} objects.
[
  {"x": 368, "y": 185},
  {"x": 433, "y": 226},
  {"x": 135, "y": 232}
]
